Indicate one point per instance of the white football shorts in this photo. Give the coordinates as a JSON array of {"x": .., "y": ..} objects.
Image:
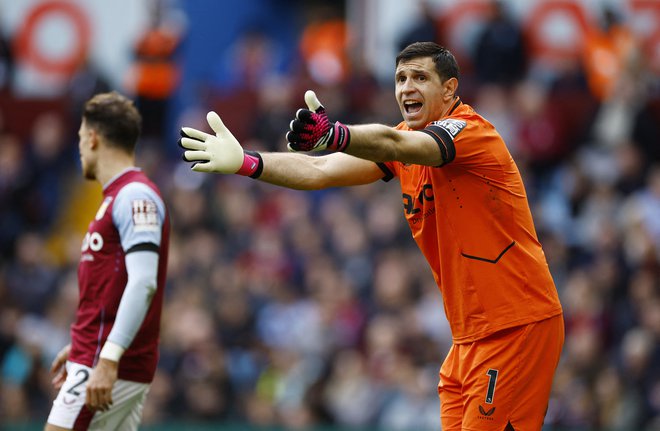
[{"x": 69, "y": 410}]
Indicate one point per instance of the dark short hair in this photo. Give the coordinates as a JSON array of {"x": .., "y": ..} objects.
[
  {"x": 115, "y": 117},
  {"x": 445, "y": 62}
]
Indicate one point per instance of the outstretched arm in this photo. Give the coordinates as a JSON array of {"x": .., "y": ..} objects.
[
  {"x": 303, "y": 172},
  {"x": 222, "y": 153},
  {"x": 311, "y": 130},
  {"x": 380, "y": 143}
]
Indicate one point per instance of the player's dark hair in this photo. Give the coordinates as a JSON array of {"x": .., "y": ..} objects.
[
  {"x": 115, "y": 117},
  {"x": 445, "y": 62}
]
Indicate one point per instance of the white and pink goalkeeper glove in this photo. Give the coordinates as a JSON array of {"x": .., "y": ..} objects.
[{"x": 220, "y": 153}]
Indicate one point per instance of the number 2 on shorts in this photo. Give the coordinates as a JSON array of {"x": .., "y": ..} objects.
[
  {"x": 492, "y": 380},
  {"x": 85, "y": 375}
]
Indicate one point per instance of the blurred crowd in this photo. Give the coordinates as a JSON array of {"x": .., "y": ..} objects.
[{"x": 316, "y": 308}]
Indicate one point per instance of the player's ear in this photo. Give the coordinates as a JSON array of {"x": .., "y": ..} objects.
[
  {"x": 450, "y": 87},
  {"x": 94, "y": 139}
]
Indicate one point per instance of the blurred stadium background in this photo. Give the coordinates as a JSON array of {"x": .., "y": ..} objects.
[{"x": 293, "y": 310}]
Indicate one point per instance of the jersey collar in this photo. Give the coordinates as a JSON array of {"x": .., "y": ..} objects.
[
  {"x": 125, "y": 171},
  {"x": 456, "y": 104}
]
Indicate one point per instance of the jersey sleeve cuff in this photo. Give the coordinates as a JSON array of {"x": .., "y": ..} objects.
[
  {"x": 112, "y": 351},
  {"x": 388, "y": 173},
  {"x": 145, "y": 246},
  {"x": 444, "y": 141}
]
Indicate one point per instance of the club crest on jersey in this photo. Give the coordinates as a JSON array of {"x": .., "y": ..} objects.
[
  {"x": 145, "y": 215},
  {"x": 451, "y": 126},
  {"x": 104, "y": 206}
]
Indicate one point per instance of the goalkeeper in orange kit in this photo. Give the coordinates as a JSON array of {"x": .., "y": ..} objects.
[{"x": 466, "y": 205}]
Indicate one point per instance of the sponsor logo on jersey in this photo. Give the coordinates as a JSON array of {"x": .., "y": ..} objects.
[
  {"x": 451, "y": 126},
  {"x": 93, "y": 241},
  {"x": 145, "y": 215},
  {"x": 87, "y": 257},
  {"x": 414, "y": 205}
]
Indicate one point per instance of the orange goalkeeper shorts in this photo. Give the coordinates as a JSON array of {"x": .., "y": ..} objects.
[{"x": 501, "y": 379}]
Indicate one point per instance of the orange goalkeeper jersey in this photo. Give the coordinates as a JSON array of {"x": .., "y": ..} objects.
[{"x": 471, "y": 219}]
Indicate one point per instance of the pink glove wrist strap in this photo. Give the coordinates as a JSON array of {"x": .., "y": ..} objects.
[
  {"x": 252, "y": 164},
  {"x": 341, "y": 137}
]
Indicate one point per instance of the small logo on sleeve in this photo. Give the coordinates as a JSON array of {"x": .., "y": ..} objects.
[
  {"x": 104, "y": 206},
  {"x": 145, "y": 215},
  {"x": 451, "y": 126}
]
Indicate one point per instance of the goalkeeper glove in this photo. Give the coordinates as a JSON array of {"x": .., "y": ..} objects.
[
  {"x": 220, "y": 153},
  {"x": 313, "y": 131}
]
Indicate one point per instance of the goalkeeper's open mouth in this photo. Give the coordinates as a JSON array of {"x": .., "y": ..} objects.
[{"x": 412, "y": 107}]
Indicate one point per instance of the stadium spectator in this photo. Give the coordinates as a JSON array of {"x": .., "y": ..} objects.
[
  {"x": 14, "y": 188},
  {"x": 6, "y": 62},
  {"x": 86, "y": 81},
  {"x": 500, "y": 57},
  {"x": 50, "y": 155},
  {"x": 425, "y": 28},
  {"x": 609, "y": 48},
  {"x": 540, "y": 135},
  {"x": 155, "y": 74}
]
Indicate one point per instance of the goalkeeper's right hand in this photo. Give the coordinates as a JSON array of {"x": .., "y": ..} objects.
[{"x": 220, "y": 153}]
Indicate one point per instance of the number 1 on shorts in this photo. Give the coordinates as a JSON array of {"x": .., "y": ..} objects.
[{"x": 492, "y": 379}]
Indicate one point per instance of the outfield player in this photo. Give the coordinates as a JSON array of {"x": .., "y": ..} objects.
[
  {"x": 465, "y": 202},
  {"x": 104, "y": 374}
]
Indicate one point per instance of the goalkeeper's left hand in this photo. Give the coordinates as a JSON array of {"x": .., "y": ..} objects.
[
  {"x": 220, "y": 153},
  {"x": 311, "y": 130}
]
